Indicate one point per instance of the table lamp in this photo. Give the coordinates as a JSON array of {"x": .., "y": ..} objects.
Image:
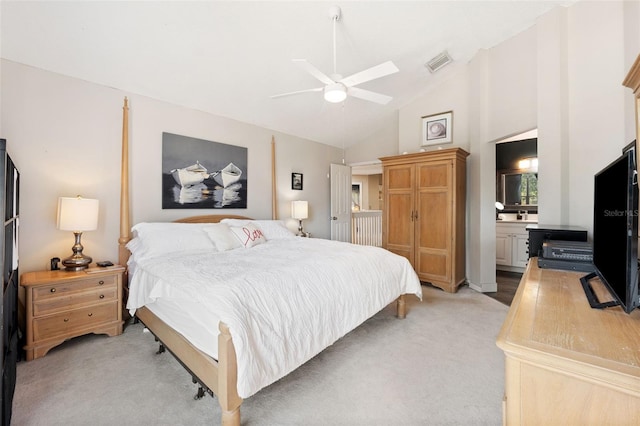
[
  {"x": 300, "y": 210},
  {"x": 499, "y": 208},
  {"x": 77, "y": 215}
]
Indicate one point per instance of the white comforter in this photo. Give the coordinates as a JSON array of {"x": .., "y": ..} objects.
[{"x": 284, "y": 301}]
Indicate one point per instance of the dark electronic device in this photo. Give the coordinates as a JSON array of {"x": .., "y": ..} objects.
[
  {"x": 104, "y": 263},
  {"x": 567, "y": 250},
  {"x": 615, "y": 233},
  {"x": 54, "y": 263},
  {"x": 566, "y": 265}
]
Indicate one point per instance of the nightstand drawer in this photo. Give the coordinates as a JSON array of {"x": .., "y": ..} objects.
[
  {"x": 69, "y": 300},
  {"x": 66, "y": 322},
  {"x": 66, "y": 287}
]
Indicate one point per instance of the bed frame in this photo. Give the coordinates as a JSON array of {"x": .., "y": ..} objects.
[{"x": 218, "y": 377}]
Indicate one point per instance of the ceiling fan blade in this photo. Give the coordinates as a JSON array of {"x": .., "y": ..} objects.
[
  {"x": 370, "y": 74},
  {"x": 368, "y": 95},
  {"x": 317, "y": 89},
  {"x": 302, "y": 63}
]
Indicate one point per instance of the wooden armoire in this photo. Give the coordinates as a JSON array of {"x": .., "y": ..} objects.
[{"x": 424, "y": 213}]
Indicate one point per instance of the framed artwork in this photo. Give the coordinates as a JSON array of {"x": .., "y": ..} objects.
[
  {"x": 201, "y": 174},
  {"x": 437, "y": 129},
  {"x": 296, "y": 181}
]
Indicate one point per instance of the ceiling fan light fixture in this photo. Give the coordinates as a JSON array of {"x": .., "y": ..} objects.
[{"x": 335, "y": 93}]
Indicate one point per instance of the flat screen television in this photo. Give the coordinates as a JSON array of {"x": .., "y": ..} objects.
[{"x": 615, "y": 233}]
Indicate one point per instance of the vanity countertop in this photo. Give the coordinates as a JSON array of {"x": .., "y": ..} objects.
[{"x": 513, "y": 218}]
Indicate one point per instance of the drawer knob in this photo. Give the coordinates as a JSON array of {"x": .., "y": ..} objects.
[
  {"x": 53, "y": 290},
  {"x": 100, "y": 282},
  {"x": 90, "y": 314},
  {"x": 66, "y": 320},
  {"x": 102, "y": 296}
]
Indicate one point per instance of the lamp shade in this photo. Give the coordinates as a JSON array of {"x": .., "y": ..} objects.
[
  {"x": 77, "y": 214},
  {"x": 299, "y": 210}
]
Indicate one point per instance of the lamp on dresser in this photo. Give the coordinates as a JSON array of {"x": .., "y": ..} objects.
[
  {"x": 300, "y": 211},
  {"x": 77, "y": 214}
]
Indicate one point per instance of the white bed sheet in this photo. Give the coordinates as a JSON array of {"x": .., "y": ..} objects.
[
  {"x": 192, "y": 320},
  {"x": 284, "y": 301}
]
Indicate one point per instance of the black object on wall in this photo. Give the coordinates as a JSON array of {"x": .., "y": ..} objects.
[{"x": 9, "y": 348}]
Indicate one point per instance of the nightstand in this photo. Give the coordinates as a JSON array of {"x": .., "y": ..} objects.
[{"x": 61, "y": 305}]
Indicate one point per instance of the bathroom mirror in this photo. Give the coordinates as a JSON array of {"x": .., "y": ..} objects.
[{"x": 518, "y": 189}]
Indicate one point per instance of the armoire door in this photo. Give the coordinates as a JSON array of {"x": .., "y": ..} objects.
[
  {"x": 434, "y": 221},
  {"x": 398, "y": 229}
]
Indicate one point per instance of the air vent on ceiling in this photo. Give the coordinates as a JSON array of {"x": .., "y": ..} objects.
[{"x": 439, "y": 61}]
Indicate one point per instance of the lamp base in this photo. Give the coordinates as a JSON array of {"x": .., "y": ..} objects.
[
  {"x": 301, "y": 232},
  {"x": 76, "y": 263}
]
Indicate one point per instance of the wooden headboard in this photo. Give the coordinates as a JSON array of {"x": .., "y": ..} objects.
[
  {"x": 125, "y": 214},
  {"x": 210, "y": 218}
]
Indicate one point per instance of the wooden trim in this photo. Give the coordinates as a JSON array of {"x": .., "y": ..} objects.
[
  {"x": 446, "y": 154},
  {"x": 210, "y": 218},
  {"x": 125, "y": 226},
  {"x": 632, "y": 80}
]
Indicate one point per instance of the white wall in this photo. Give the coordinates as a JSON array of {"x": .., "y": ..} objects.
[
  {"x": 381, "y": 143},
  {"x": 564, "y": 77},
  {"x": 65, "y": 136},
  {"x": 450, "y": 95}
]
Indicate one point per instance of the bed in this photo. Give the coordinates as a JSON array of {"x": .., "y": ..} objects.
[{"x": 272, "y": 295}]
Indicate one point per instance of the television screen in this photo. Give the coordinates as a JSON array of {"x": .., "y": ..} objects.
[{"x": 615, "y": 229}]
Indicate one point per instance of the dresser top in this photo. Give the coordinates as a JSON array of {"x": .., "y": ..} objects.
[
  {"x": 40, "y": 277},
  {"x": 551, "y": 320},
  {"x": 543, "y": 227}
]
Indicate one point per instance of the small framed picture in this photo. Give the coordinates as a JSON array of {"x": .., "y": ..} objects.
[
  {"x": 437, "y": 129},
  {"x": 296, "y": 181}
]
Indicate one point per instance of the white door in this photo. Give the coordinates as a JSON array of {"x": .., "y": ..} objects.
[{"x": 341, "y": 202}]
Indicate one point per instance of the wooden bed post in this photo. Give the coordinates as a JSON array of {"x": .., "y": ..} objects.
[
  {"x": 402, "y": 306},
  {"x": 274, "y": 198},
  {"x": 227, "y": 379},
  {"x": 125, "y": 228}
]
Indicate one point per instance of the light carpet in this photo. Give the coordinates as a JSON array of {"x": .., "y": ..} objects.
[{"x": 439, "y": 366}]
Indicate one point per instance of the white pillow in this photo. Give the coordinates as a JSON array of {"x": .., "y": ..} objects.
[
  {"x": 272, "y": 229},
  {"x": 222, "y": 236},
  {"x": 235, "y": 222},
  {"x": 249, "y": 235},
  {"x": 158, "y": 238}
]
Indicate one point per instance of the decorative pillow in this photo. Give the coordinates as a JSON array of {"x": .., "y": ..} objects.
[
  {"x": 222, "y": 236},
  {"x": 271, "y": 229},
  {"x": 249, "y": 235},
  {"x": 158, "y": 238}
]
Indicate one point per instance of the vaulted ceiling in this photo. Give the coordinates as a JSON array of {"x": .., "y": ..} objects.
[{"x": 228, "y": 58}]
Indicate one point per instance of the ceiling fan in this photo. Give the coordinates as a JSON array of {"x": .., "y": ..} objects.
[{"x": 336, "y": 88}]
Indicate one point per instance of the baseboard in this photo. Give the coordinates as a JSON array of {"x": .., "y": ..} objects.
[
  {"x": 484, "y": 287},
  {"x": 505, "y": 268}
]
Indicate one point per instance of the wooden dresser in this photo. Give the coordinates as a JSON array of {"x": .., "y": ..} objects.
[
  {"x": 61, "y": 305},
  {"x": 566, "y": 363},
  {"x": 424, "y": 213}
]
